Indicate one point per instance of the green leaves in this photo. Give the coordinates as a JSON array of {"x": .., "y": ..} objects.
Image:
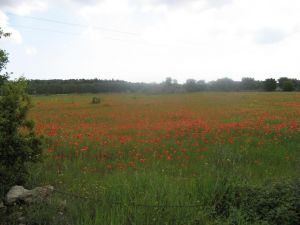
[
  {"x": 18, "y": 142},
  {"x": 3, "y": 54}
]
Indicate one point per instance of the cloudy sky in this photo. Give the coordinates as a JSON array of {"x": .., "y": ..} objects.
[{"x": 148, "y": 40}]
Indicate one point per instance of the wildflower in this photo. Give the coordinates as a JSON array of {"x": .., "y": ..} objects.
[
  {"x": 84, "y": 148},
  {"x": 109, "y": 167}
]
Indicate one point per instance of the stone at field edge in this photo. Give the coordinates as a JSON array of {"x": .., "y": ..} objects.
[
  {"x": 14, "y": 194},
  {"x": 19, "y": 193}
]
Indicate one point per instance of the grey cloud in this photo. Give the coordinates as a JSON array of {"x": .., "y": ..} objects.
[
  {"x": 270, "y": 36},
  {"x": 12, "y": 3},
  {"x": 4, "y": 3}
]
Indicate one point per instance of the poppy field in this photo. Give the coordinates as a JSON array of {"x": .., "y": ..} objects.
[{"x": 165, "y": 159}]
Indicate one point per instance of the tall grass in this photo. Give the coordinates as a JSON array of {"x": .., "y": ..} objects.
[{"x": 148, "y": 160}]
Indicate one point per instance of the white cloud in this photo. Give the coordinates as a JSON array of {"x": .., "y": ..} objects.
[
  {"x": 84, "y": 2},
  {"x": 218, "y": 3},
  {"x": 192, "y": 4},
  {"x": 15, "y": 35},
  {"x": 205, "y": 39},
  {"x": 270, "y": 36},
  {"x": 31, "y": 51},
  {"x": 19, "y": 7},
  {"x": 23, "y": 7}
]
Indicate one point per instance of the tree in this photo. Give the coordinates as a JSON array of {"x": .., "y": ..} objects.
[
  {"x": 288, "y": 85},
  {"x": 3, "y": 58},
  {"x": 281, "y": 81},
  {"x": 270, "y": 84},
  {"x": 191, "y": 85},
  {"x": 170, "y": 85},
  {"x": 18, "y": 142},
  {"x": 249, "y": 83},
  {"x": 296, "y": 84},
  {"x": 201, "y": 85},
  {"x": 224, "y": 84}
]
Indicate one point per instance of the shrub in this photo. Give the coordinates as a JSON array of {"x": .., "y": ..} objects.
[
  {"x": 96, "y": 100},
  {"x": 18, "y": 142},
  {"x": 272, "y": 204}
]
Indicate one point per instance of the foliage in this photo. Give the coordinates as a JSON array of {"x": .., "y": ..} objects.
[
  {"x": 276, "y": 203},
  {"x": 46, "y": 87},
  {"x": 3, "y": 53},
  {"x": 192, "y": 85},
  {"x": 249, "y": 83},
  {"x": 170, "y": 86},
  {"x": 96, "y": 100},
  {"x": 281, "y": 81},
  {"x": 270, "y": 84},
  {"x": 3, "y": 59},
  {"x": 47, "y": 213},
  {"x": 224, "y": 84},
  {"x": 288, "y": 85},
  {"x": 18, "y": 142}
]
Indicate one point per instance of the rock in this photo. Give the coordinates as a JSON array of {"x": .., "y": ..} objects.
[
  {"x": 19, "y": 193},
  {"x": 14, "y": 194},
  {"x": 1, "y": 205},
  {"x": 37, "y": 194}
]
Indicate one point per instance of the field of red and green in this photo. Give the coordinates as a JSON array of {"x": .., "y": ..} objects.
[{"x": 204, "y": 158}]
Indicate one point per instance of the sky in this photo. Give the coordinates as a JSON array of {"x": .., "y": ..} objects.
[{"x": 149, "y": 40}]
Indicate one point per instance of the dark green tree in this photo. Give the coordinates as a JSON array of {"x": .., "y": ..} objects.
[
  {"x": 270, "y": 84},
  {"x": 201, "y": 85},
  {"x": 170, "y": 85},
  {"x": 249, "y": 84},
  {"x": 190, "y": 85},
  {"x": 281, "y": 81},
  {"x": 296, "y": 84},
  {"x": 224, "y": 84},
  {"x": 288, "y": 85},
  {"x": 19, "y": 145}
]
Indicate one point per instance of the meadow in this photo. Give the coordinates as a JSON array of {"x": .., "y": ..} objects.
[{"x": 202, "y": 158}]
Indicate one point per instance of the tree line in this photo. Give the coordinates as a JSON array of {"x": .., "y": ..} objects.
[{"x": 169, "y": 85}]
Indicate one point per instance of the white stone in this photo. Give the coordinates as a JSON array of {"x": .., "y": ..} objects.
[
  {"x": 14, "y": 194},
  {"x": 37, "y": 194},
  {"x": 19, "y": 193}
]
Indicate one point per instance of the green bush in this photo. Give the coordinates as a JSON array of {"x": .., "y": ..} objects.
[
  {"x": 96, "y": 100},
  {"x": 272, "y": 204},
  {"x": 18, "y": 142}
]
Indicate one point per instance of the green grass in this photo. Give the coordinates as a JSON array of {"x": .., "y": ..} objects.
[{"x": 134, "y": 182}]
